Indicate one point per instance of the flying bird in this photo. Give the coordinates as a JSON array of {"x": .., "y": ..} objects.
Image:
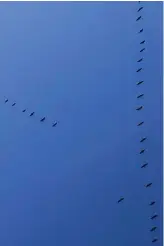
[
  {"x": 24, "y": 110},
  {"x": 139, "y": 108},
  {"x": 139, "y": 70},
  {"x": 154, "y": 240},
  {"x": 153, "y": 228},
  {"x": 120, "y": 200},
  {"x": 144, "y": 165},
  {"x": 43, "y": 119},
  {"x": 142, "y": 42},
  {"x": 138, "y": 18},
  {"x": 142, "y": 151},
  {"x": 143, "y": 139},
  {"x": 54, "y": 124},
  {"x": 140, "y": 60},
  {"x": 140, "y": 82},
  {"x": 151, "y": 203},
  {"x": 154, "y": 217},
  {"x": 140, "y": 30},
  {"x": 32, "y": 113},
  {"x": 141, "y": 123},
  {"x": 13, "y": 104},
  {"x": 141, "y": 95},
  {"x": 6, "y": 100},
  {"x": 140, "y": 9},
  {"x": 142, "y": 50},
  {"x": 148, "y": 185}
]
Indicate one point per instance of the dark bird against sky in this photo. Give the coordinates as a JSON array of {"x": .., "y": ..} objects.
[
  {"x": 140, "y": 30},
  {"x": 139, "y": 9},
  {"x": 142, "y": 42},
  {"x": 140, "y": 82},
  {"x": 144, "y": 165},
  {"x": 139, "y": 108},
  {"x": 138, "y": 18},
  {"x": 32, "y": 113},
  {"x": 141, "y": 123},
  {"x": 148, "y": 185},
  {"x": 138, "y": 70},
  {"x": 142, "y": 50},
  {"x": 141, "y": 95}
]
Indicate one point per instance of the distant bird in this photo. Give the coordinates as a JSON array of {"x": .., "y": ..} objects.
[
  {"x": 144, "y": 165},
  {"x": 140, "y": 82},
  {"x": 153, "y": 228},
  {"x": 138, "y": 70},
  {"x": 139, "y": 108},
  {"x": 143, "y": 139},
  {"x": 32, "y": 113},
  {"x": 141, "y": 123},
  {"x": 13, "y": 104},
  {"x": 138, "y": 18},
  {"x": 142, "y": 42},
  {"x": 24, "y": 110},
  {"x": 140, "y": 9},
  {"x": 141, "y": 95},
  {"x": 6, "y": 100},
  {"x": 154, "y": 240},
  {"x": 142, "y": 151},
  {"x": 54, "y": 124},
  {"x": 142, "y": 50},
  {"x": 148, "y": 185},
  {"x": 43, "y": 119},
  {"x": 151, "y": 203},
  {"x": 154, "y": 216},
  {"x": 140, "y": 60},
  {"x": 140, "y": 30},
  {"x": 120, "y": 200}
]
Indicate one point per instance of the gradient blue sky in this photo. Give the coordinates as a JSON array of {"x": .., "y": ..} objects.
[{"x": 76, "y": 63}]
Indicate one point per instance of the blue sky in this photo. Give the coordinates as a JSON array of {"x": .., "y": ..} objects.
[{"x": 76, "y": 63}]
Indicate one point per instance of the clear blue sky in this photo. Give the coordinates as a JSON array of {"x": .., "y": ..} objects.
[{"x": 76, "y": 63}]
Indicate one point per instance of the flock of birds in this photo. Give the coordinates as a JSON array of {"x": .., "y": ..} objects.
[
  {"x": 31, "y": 113},
  {"x": 143, "y": 139}
]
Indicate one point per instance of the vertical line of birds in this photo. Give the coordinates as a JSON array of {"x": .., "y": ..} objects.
[
  {"x": 31, "y": 113},
  {"x": 140, "y": 96}
]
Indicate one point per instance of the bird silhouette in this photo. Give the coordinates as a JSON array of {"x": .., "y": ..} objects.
[
  {"x": 151, "y": 203},
  {"x": 43, "y": 119},
  {"x": 143, "y": 139},
  {"x": 141, "y": 123},
  {"x": 140, "y": 82},
  {"x": 140, "y": 60},
  {"x": 140, "y": 30},
  {"x": 141, "y": 95},
  {"x": 32, "y": 113},
  {"x": 139, "y": 108},
  {"x": 138, "y": 70},
  {"x": 144, "y": 165},
  {"x": 142, "y": 50},
  {"x": 142, "y": 42},
  {"x": 148, "y": 185},
  {"x": 139, "y": 9},
  {"x": 54, "y": 124}
]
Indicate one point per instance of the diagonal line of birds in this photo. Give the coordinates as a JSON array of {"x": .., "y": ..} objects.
[{"x": 31, "y": 114}]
